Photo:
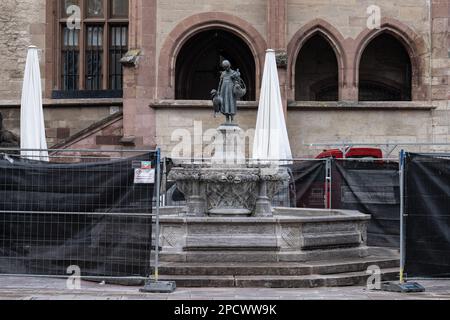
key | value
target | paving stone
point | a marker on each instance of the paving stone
(13, 288)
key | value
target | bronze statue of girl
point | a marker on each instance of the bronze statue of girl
(231, 89)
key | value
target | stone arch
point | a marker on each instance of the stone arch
(198, 64)
(329, 33)
(414, 45)
(198, 23)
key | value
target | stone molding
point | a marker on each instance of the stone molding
(197, 23)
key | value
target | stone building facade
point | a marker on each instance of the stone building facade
(344, 76)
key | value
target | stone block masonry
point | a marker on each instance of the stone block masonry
(22, 23)
(281, 24)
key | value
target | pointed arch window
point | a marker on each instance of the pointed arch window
(317, 71)
(385, 71)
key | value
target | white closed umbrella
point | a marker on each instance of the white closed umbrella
(271, 137)
(32, 127)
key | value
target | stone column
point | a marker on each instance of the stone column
(263, 205)
(276, 39)
(439, 90)
(348, 84)
(196, 202)
(140, 78)
(276, 24)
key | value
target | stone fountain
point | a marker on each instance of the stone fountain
(228, 218)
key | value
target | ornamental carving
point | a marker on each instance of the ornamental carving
(207, 188)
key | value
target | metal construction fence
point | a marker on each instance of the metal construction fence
(85, 210)
(94, 210)
(425, 212)
(408, 200)
(372, 187)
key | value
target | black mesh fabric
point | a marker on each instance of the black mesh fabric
(371, 187)
(308, 187)
(90, 215)
(427, 205)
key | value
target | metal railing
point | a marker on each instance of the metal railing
(387, 147)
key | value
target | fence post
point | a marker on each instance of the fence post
(157, 286)
(402, 216)
(158, 201)
(328, 183)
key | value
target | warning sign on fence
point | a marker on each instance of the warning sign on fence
(144, 176)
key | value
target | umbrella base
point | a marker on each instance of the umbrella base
(159, 287)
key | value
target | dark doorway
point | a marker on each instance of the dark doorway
(198, 64)
(385, 71)
(316, 71)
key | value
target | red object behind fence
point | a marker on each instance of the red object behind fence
(352, 153)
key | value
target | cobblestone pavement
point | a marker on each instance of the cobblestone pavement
(24, 288)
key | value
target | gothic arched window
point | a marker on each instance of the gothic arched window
(316, 71)
(385, 72)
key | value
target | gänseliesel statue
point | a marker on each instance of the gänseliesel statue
(231, 89)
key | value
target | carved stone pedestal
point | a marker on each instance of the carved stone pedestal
(229, 146)
(229, 191)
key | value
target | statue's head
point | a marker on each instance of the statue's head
(226, 65)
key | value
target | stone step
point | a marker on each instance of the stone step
(235, 269)
(314, 281)
(219, 257)
(305, 281)
(354, 266)
(275, 269)
(262, 256)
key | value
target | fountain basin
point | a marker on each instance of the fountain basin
(290, 235)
